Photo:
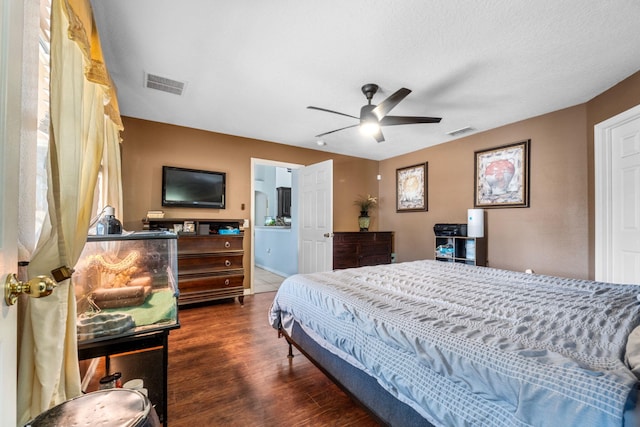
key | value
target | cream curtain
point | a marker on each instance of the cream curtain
(84, 133)
(111, 168)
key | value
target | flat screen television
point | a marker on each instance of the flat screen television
(194, 188)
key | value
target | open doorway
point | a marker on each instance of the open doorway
(274, 230)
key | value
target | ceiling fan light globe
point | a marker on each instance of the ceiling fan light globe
(369, 128)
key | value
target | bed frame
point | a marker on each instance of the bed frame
(357, 384)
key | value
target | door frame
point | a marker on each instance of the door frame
(604, 192)
(19, 29)
(264, 162)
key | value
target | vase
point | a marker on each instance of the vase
(498, 175)
(364, 220)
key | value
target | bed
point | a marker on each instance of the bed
(449, 344)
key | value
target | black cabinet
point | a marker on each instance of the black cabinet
(360, 248)
(284, 201)
(142, 355)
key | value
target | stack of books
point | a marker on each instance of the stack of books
(155, 214)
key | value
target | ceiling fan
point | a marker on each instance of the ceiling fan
(373, 117)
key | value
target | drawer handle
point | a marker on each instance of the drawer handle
(227, 244)
(226, 282)
(227, 263)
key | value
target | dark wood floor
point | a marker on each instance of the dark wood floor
(228, 368)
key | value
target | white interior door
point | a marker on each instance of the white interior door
(618, 198)
(625, 182)
(11, 19)
(316, 222)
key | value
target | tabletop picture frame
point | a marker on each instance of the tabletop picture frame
(188, 227)
(411, 188)
(502, 176)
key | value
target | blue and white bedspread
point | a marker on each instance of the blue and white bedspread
(476, 346)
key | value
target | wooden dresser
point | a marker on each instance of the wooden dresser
(210, 265)
(360, 248)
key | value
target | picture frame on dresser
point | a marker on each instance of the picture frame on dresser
(411, 188)
(188, 227)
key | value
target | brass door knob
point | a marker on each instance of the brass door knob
(37, 287)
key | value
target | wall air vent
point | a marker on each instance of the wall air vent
(460, 131)
(164, 84)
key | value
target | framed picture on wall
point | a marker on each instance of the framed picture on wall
(411, 188)
(502, 176)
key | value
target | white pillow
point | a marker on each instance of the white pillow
(632, 355)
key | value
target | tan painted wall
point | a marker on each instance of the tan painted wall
(149, 145)
(548, 237)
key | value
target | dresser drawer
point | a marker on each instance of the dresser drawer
(195, 282)
(375, 248)
(345, 262)
(207, 244)
(345, 249)
(374, 260)
(194, 264)
(198, 289)
(352, 238)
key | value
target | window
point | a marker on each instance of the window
(44, 73)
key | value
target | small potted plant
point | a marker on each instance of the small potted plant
(365, 204)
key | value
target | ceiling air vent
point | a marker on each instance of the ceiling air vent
(460, 131)
(164, 84)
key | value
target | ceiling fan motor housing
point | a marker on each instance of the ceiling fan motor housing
(366, 114)
(369, 90)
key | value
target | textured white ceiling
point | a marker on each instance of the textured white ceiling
(252, 67)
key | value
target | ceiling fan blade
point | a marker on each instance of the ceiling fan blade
(387, 105)
(331, 111)
(379, 136)
(407, 120)
(336, 130)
